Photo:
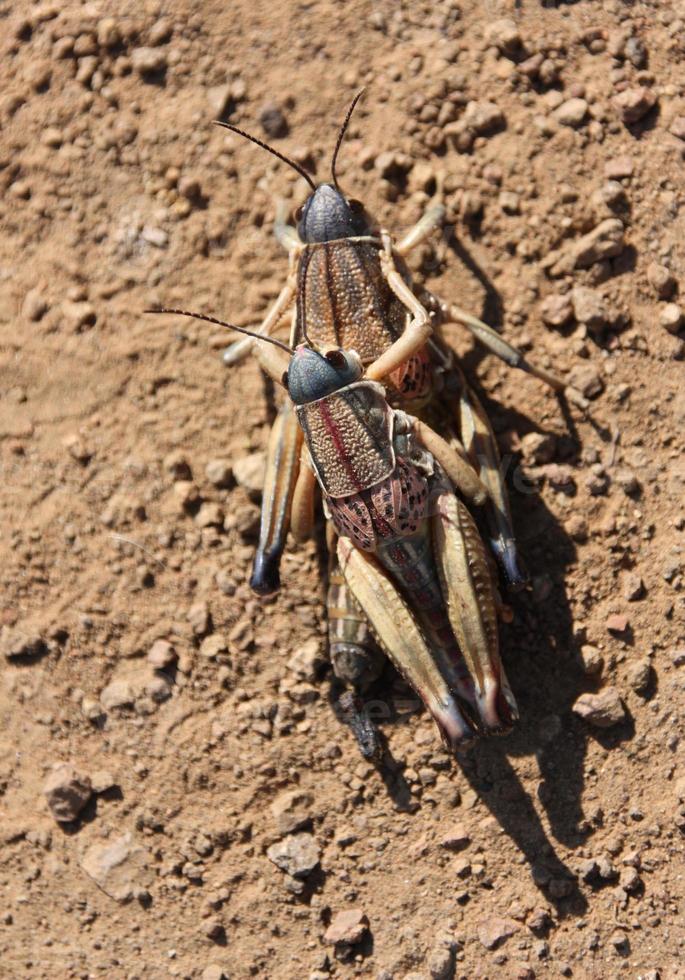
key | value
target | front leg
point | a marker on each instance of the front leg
(417, 331)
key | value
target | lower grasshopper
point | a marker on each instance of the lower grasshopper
(408, 548)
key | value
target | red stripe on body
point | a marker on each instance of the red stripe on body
(333, 431)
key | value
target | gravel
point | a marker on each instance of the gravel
(67, 792)
(349, 926)
(634, 103)
(602, 710)
(297, 855)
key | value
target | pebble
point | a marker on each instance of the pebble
(617, 623)
(120, 867)
(117, 694)
(493, 932)
(249, 472)
(349, 926)
(586, 379)
(108, 34)
(671, 317)
(273, 121)
(572, 113)
(634, 103)
(212, 646)
(78, 314)
(308, 662)
(219, 472)
(292, 811)
(661, 280)
(210, 514)
(577, 528)
(213, 928)
(603, 242)
(539, 446)
(556, 309)
(18, 644)
(161, 655)
(589, 308)
(177, 465)
(213, 972)
(483, 117)
(456, 838)
(602, 710)
(148, 61)
(35, 306)
(633, 587)
(510, 202)
(504, 35)
(200, 618)
(67, 792)
(297, 855)
(619, 167)
(640, 675)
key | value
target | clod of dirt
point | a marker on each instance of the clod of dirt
(556, 309)
(483, 117)
(67, 792)
(617, 623)
(17, 644)
(586, 379)
(456, 838)
(120, 867)
(35, 305)
(589, 308)
(297, 855)
(219, 472)
(249, 472)
(572, 113)
(161, 655)
(603, 242)
(640, 675)
(602, 710)
(493, 932)
(148, 61)
(671, 317)
(349, 927)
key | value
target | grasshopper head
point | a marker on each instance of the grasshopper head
(328, 215)
(312, 375)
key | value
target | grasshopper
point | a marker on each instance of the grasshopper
(349, 288)
(407, 546)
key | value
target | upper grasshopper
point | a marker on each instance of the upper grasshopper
(348, 287)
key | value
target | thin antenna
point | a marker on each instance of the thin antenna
(229, 326)
(265, 146)
(341, 134)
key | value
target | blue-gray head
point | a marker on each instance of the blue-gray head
(327, 214)
(312, 375)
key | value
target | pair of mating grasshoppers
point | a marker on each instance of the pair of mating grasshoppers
(400, 465)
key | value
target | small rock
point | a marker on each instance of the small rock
(35, 305)
(155, 236)
(67, 792)
(589, 308)
(627, 481)
(677, 127)
(504, 35)
(577, 528)
(539, 920)
(493, 932)
(539, 446)
(456, 838)
(161, 31)
(273, 121)
(292, 811)
(103, 780)
(586, 379)
(213, 972)
(572, 113)
(120, 867)
(212, 646)
(630, 880)
(617, 623)
(588, 870)
(210, 514)
(17, 644)
(177, 465)
(619, 167)
(78, 314)
(148, 61)
(602, 710)
(556, 309)
(510, 202)
(633, 587)
(636, 52)
(483, 117)
(297, 855)
(213, 928)
(249, 472)
(161, 655)
(634, 103)
(108, 33)
(219, 99)
(640, 675)
(603, 242)
(117, 694)
(349, 927)
(200, 618)
(441, 962)
(671, 317)
(219, 472)
(661, 280)
(308, 662)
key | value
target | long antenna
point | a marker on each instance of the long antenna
(265, 146)
(341, 134)
(229, 326)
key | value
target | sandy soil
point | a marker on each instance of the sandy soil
(130, 493)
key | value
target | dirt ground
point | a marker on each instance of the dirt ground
(199, 719)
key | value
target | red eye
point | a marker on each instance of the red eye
(299, 212)
(284, 379)
(355, 205)
(336, 359)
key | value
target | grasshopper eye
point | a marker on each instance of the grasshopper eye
(336, 359)
(355, 205)
(299, 212)
(284, 379)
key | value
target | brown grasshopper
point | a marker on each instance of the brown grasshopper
(408, 548)
(350, 288)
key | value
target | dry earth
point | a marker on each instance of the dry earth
(132, 648)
